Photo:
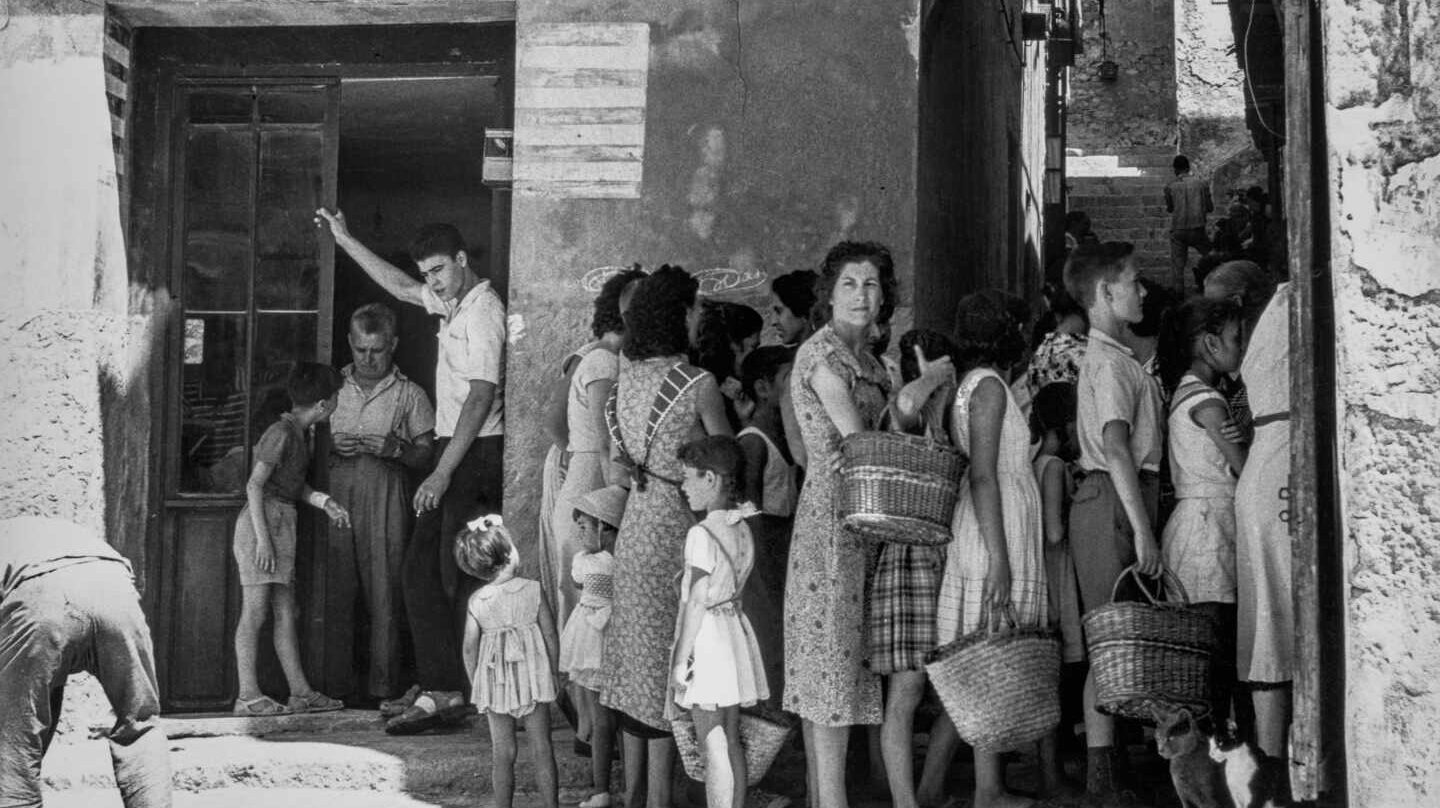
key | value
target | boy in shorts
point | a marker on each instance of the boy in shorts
(264, 543)
(1112, 517)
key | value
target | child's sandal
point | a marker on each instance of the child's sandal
(259, 706)
(315, 702)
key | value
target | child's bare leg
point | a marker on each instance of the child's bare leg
(659, 772)
(990, 784)
(1100, 744)
(712, 736)
(537, 734)
(830, 744)
(287, 644)
(602, 746)
(1052, 774)
(635, 753)
(502, 758)
(897, 741)
(254, 607)
(584, 701)
(738, 769)
(812, 788)
(939, 753)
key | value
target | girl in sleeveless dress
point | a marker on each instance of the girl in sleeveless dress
(716, 662)
(509, 648)
(996, 559)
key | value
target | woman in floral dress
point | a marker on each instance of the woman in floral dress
(649, 551)
(838, 387)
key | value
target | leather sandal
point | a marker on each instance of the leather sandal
(314, 702)
(390, 708)
(259, 706)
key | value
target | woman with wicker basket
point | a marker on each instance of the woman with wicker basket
(838, 388)
(996, 560)
(660, 401)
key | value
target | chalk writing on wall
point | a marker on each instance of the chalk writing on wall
(594, 279)
(725, 280)
(580, 109)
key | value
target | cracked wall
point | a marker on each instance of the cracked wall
(1383, 121)
(1210, 97)
(1137, 110)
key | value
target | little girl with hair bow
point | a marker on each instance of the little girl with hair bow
(510, 650)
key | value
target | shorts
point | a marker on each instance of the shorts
(280, 519)
(1102, 541)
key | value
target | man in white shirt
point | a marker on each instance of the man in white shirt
(469, 427)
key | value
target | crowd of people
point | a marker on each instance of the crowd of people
(691, 557)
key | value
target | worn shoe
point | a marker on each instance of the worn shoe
(259, 706)
(430, 711)
(390, 708)
(314, 702)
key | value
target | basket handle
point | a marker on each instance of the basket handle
(1167, 579)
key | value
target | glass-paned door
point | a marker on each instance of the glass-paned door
(253, 282)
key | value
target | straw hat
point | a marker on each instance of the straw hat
(606, 504)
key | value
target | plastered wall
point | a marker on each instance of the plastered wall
(1137, 110)
(1210, 96)
(1383, 119)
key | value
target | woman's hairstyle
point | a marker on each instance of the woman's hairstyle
(933, 343)
(311, 382)
(1053, 409)
(1246, 282)
(796, 291)
(854, 252)
(655, 322)
(1192, 319)
(763, 363)
(607, 304)
(482, 550)
(722, 324)
(720, 454)
(987, 331)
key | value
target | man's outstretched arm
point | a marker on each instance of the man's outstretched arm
(391, 278)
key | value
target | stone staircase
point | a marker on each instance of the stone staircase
(1124, 193)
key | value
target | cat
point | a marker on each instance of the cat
(1242, 768)
(1199, 778)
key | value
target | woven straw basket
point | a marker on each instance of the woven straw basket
(760, 736)
(899, 488)
(1150, 654)
(1000, 686)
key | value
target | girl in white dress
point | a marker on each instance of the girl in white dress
(1202, 343)
(716, 663)
(510, 644)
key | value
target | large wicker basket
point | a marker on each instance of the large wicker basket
(1152, 654)
(899, 488)
(1000, 686)
(761, 736)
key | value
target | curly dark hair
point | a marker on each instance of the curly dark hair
(483, 552)
(1053, 409)
(987, 331)
(436, 238)
(312, 382)
(722, 324)
(854, 252)
(720, 454)
(1193, 318)
(655, 321)
(607, 304)
(796, 291)
(933, 343)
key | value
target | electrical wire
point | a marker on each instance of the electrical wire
(1249, 82)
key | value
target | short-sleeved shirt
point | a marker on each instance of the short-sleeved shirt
(1189, 201)
(31, 546)
(472, 348)
(1113, 386)
(283, 446)
(599, 364)
(394, 405)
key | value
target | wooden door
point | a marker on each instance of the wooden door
(252, 288)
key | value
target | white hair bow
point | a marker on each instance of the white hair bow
(487, 522)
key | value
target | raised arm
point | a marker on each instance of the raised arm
(391, 278)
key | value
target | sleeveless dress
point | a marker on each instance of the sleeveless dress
(1264, 610)
(960, 595)
(582, 643)
(512, 671)
(649, 550)
(727, 668)
(1199, 539)
(826, 680)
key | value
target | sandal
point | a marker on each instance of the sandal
(390, 708)
(426, 714)
(259, 706)
(315, 702)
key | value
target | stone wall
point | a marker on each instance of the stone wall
(1210, 98)
(1137, 110)
(768, 135)
(1383, 119)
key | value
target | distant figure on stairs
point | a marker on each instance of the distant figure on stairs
(1188, 200)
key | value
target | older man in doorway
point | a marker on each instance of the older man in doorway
(383, 427)
(469, 425)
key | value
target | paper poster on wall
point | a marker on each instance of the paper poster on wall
(580, 109)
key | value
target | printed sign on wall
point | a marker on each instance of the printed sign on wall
(580, 109)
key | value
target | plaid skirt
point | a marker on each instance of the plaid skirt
(901, 606)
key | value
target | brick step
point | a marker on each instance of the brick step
(1148, 159)
(1101, 186)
